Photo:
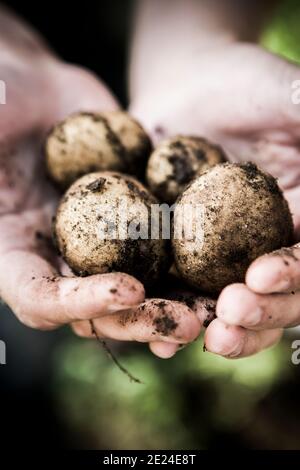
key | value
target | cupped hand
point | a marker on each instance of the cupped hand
(241, 96)
(33, 280)
(252, 316)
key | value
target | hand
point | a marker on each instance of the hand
(40, 91)
(255, 312)
(241, 97)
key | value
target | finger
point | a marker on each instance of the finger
(204, 307)
(152, 321)
(238, 305)
(276, 272)
(235, 342)
(64, 268)
(163, 350)
(80, 90)
(41, 299)
(292, 196)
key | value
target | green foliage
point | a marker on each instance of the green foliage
(121, 413)
(282, 35)
(181, 403)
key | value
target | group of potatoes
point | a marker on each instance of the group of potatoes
(102, 158)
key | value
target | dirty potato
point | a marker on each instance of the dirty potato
(86, 142)
(175, 162)
(244, 216)
(103, 225)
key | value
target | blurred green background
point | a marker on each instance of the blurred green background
(195, 400)
(282, 33)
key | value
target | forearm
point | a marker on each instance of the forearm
(25, 67)
(169, 33)
(19, 38)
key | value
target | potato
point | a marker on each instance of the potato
(90, 223)
(245, 216)
(175, 162)
(86, 142)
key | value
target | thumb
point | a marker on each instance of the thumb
(271, 90)
(77, 89)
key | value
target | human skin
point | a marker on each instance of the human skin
(196, 69)
(34, 282)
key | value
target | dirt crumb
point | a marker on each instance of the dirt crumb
(164, 324)
(183, 173)
(96, 185)
(188, 299)
(39, 235)
(129, 316)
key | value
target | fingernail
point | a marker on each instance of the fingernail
(236, 351)
(254, 317)
(282, 285)
(232, 351)
(118, 308)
